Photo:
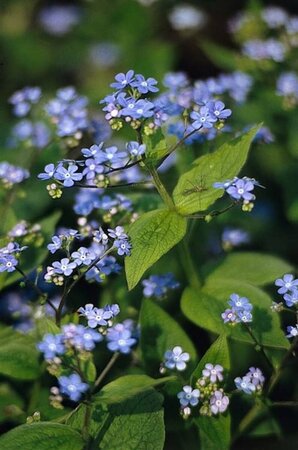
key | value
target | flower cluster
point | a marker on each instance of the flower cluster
(23, 100)
(10, 175)
(175, 359)
(239, 311)
(68, 112)
(9, 255)
(288, 288)
(212, 398)
(252, 382)
(78, 341)
(240, 189)
(268, 49)
(159, 285)
(287, 87)
(94, 259)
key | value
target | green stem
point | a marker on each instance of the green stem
(67, 291)
(161, 188)
(188, 265)
(106, 369)
(260, 346)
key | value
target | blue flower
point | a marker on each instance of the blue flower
(110, 155)
(135, 149)
(257, 377)
(64, 267)
(83, 256)
(238, 303)
(72, 386)
(234, 237)
(120, 339)
(218, 111)
(98, 317)
(176, 359)
(189, 396)
(286, 284)
(56, 245)
(292, 331)
(92, 151)
(8, 263)
(92, 168)
(123, 80)
(49, 172)
(202, 119)
(214, 373)
(85, 338)
(51, 345)
(219, 402)
(241, 189)
(158, 285)
(117, 233)
(137, 109)
(123, 247)
(245, 384)
(292, 298)
(143, 85)
(69, 175)
(113, 309)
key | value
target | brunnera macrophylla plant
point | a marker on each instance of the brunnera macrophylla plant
(69, 349)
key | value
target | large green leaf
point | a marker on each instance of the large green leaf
(136, 423)
(218, 353)
(127, 386)
(152, 235)
(18, 355)
(42, 436)
(204, 308)
(215, 432)
(159, 333)
(194, 190)
(255, 268)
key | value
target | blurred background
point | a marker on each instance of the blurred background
(53, 44)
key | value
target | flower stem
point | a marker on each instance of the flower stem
(106, 369)
(260, 346)
(161, 188)
(188, 265)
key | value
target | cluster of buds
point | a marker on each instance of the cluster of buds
(56, 398)
(54, 190)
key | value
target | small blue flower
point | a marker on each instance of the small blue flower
(245, 384)
(123, 80)
(214, 373)
(117, 233)
(49, 172)
(135, 149)
(51, 345)
(176, 359)
(8, 263)
(83, 256)
(92, 151)
(120, 339)
(56, 245)
(159, 285)
(219, 402)
(113, 309)
(143, 85)
(292, 298)
(98, 317)
(189, 396)
(241, 189)
(87, 310)
(69, 175)
(292, 331)
(286, 284)
(238, 303)
(100, 237)
(123, 247)
(202, 119)
(218, 111)
(64, 266)
(92, 168)
(257, 377)
(72, 386)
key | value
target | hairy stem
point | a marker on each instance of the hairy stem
(106, 369)
(161, 188)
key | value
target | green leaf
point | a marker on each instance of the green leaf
(158, 146)
(204, 308)
(152, 235)
(128, 386)
(136, 423)
(45, 325)
(256, 268)
(194, 190)
(11, 403)
(42, 436)
(218, 353)
(215, 432)
(159, 333)
(18, 355)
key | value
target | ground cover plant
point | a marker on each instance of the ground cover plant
(136, 311)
